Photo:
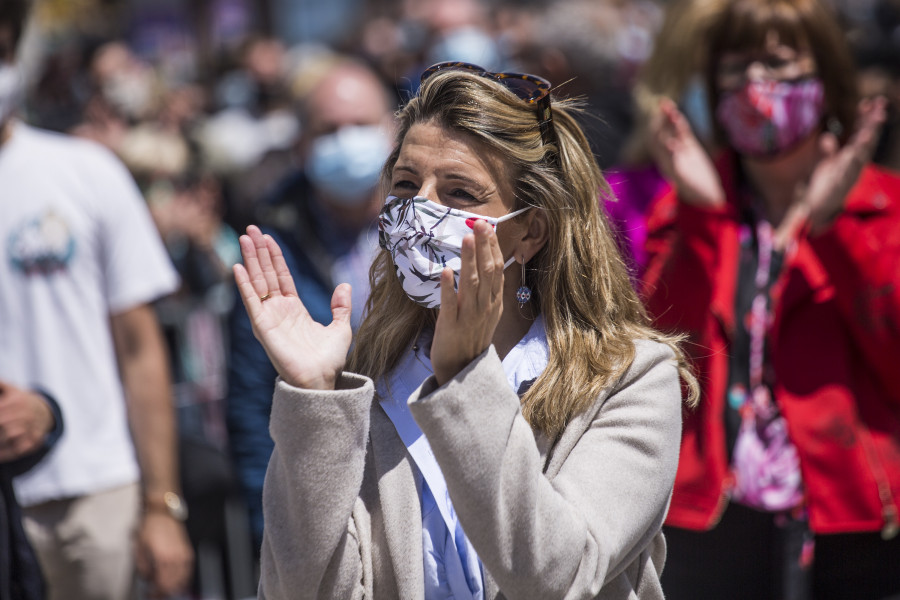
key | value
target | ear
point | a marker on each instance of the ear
(535, 236)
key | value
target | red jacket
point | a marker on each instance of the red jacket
(835, 351)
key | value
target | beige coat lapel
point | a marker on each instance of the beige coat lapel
(570, 436)
(399, 490)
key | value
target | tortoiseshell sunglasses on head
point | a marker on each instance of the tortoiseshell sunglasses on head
(530, 88)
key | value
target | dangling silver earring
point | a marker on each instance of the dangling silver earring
(523, 294)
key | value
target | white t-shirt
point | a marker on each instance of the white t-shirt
(76, 245)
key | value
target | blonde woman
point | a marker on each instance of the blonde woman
(507, 423)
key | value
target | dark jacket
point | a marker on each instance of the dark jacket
(20, 573)
(309, 243)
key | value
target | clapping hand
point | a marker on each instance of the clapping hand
(305, 353)
(25, 419)
(469, 317)
(682, 159)
(838, 168)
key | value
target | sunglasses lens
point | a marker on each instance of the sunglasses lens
(525, 89)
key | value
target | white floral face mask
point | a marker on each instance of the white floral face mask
(423, 237)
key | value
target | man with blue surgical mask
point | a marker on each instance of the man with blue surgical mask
(324, 217)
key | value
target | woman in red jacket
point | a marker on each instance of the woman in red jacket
(781, 261)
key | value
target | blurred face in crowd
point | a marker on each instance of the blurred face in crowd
(125, 81)
(775, 61)
(771, 99)
(348, 96)
(346, 139)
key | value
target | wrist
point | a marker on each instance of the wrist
(819, 223)
(167, 503)
(323, 382)
(702, 199)
(443, 374)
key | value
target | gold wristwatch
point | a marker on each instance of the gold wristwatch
(171, 503)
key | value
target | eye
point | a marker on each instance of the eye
(403, 187)
(462, 195)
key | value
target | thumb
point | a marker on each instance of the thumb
(679, 122)
(143, 561)
(341, 303)
(828, 144)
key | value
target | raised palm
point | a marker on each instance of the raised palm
(305, 353)
(839, 167)
(682, 159)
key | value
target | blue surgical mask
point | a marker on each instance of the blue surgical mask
(346, 164)
(467, 44)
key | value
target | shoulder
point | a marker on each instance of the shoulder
(644, 405)
(76, 162)
(649, 355)
(52, 144)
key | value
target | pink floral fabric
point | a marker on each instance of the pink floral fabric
(764, 118)
(765, 463)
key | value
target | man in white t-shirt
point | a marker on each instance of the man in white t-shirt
(79, 262)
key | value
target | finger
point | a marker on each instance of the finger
(497, 284)
(872, 115)
(285, 280)
(666, 106)
(449, 298)
(143, 563)
(828, 145)
(484, 262)
(468, 273)
(249, 293)
(670, 113)
(251, 264)
(668, 139)
(341, 303)
(662, 130)
(265, 263)
(658, 118)
(680, 123)
(171, 577)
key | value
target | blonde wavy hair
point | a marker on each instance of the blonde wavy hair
(578, 279)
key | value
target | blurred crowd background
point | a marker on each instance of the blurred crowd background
(200, 98)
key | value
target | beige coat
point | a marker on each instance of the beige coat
(580, 518)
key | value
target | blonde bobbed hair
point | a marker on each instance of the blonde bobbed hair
(579, 281)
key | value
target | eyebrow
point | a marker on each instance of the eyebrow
(464, 179)
(454, 176)
(404, 168)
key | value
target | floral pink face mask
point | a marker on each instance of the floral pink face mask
(765, 118)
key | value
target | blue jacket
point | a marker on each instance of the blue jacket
(309, 243)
